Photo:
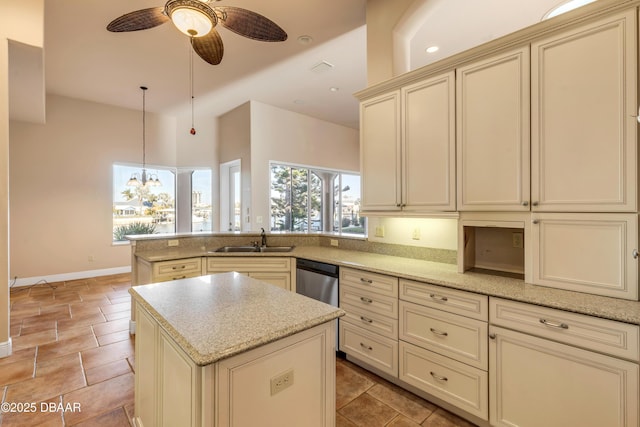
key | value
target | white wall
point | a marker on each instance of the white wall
(61, 183)
(284, 136)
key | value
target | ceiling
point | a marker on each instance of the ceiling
(83, 60)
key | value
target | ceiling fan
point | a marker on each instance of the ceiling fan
(197, 19)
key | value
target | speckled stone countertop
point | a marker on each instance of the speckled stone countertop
(218, 316)
(447, 275)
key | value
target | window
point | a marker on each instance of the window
(142, 209)
(307, 199)
(201, 207)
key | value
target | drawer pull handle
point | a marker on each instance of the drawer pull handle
(182, 267)
(438, 297)
(366, 300)
(178, 278)
(367, 281)
(364, 319)
(366, 347)
(437, 332)
(438, 377)
(554, 325)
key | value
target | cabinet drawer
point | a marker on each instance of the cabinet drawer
(456, 383)
(379, 283)
(373, 349)
(451, 300)
(382, 325)
(369, 301)
(247, 264)
(177, 269)
(448, 334)
(601, 335)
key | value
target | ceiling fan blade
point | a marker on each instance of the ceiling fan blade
(138, 20)
(250, 24)
(209, 47)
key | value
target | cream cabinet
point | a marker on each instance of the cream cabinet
(442, 351)
(163, 271)
(593, 253)
(273, 270)
(493, 133)
(584, 129)
(408, 148)
(172, 390)
(537, 381)
(369, 330)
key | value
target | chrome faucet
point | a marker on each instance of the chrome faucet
(264, 237)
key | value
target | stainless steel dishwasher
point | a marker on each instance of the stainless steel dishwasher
(319, 281)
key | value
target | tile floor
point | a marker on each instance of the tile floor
(73, 365)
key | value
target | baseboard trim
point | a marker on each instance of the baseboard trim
(5, 349)
(27, 281)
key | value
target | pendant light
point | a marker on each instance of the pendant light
(144, 180)
(193, 129)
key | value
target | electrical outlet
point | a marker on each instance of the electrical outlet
(380, 231)
(281, 382)
(334, 242)
(517, 239)
(416, 234)
(173, 242)
(91, 258)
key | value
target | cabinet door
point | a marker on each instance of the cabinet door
(282, 280)
(428, 145)
(492, 115)
(592, 253)
(583, 148)
(380, 152)
(539, 383)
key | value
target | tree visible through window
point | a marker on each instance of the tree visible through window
(308, 199)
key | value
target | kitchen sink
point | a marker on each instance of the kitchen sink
(276, 248)
(238, 249)
(249, 248)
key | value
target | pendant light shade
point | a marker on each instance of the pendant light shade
(192, 17)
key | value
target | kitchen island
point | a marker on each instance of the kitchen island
(225, 349)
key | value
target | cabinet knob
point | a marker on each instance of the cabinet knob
(535, 221)
(525, 203)
(535, 204)
(492, 336)
(635, 254)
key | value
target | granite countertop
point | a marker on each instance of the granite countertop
(218, 316)
(445, 275)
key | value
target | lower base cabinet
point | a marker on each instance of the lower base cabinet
(536, 382)
(454, 382)
(172, 391)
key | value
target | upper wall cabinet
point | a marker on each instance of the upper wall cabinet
(492, 114)
(380, 156)
(408, 148)
(584, 103)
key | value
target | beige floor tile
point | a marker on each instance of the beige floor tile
(67, 346)
(74, 332)
(114, 337)
(85, 320)
(32, 340)
(53, 377)
(15, 372)
(107, 354)
(108, 371)
(115, 418)
(101, 398)
(28, 354)
(402, 401)
(116, 308)
(442, 418)
(349, 383)
(111, 327)
(366, 411)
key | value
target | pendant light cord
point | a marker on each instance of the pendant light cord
(144, 126)
(193, 129)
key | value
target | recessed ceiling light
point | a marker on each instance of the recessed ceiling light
(432, 49)
(298, 101)
(564, 7)
(304, 39)
(334, 89)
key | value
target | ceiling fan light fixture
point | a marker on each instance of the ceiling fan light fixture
(192, 17)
